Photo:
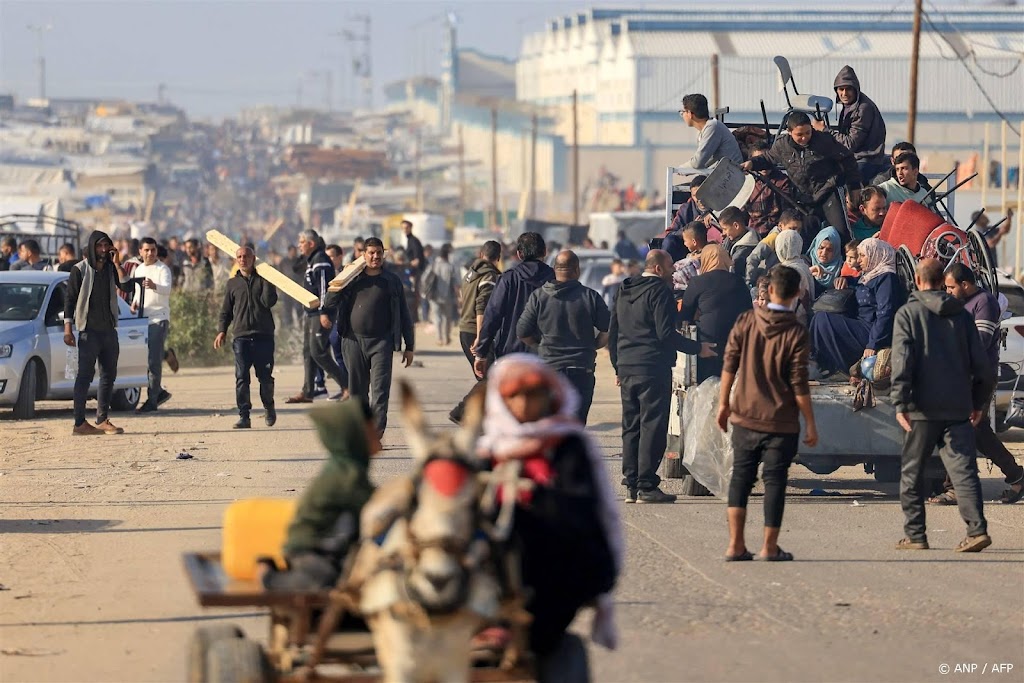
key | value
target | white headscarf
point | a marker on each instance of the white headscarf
(506, 437)
(789, 246)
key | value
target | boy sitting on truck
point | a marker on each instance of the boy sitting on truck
(326, 523)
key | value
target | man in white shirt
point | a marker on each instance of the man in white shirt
(153, 294)
(906, 185)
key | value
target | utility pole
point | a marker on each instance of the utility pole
(715, 95)
(915, 55)
(362, 62)
(462, 176)
(575, 159)
(161, 93)
(419, 185)
(533, 167)
(494, 166)
(41, 61)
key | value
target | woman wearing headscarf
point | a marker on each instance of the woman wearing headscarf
(789, 246)
(826, 257)
(714, 300)
(567, 525)
(837, 341)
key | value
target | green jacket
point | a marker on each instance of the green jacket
(327, 518)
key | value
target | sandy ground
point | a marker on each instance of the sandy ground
(92, 531)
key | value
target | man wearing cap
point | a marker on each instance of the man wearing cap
(568, 323)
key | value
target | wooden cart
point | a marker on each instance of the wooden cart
(312, 636)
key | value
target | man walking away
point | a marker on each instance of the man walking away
(477, 288)
(765, 409)
(568, 323)
(940, 383)
(317, 325)
(91, 305)
(960, 282)
(248, 299)
(413, 250)
(153, 297)
(714, 139)
(441, 289)
(374, 320)
(643, 342)
(498, 331)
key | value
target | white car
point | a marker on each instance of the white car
(1011, 351)
(33, 356)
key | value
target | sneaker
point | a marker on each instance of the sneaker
(86, 429)
(319, 391)
(147, 407)
(655, 495)
(974, 544)
(108, 428)
(270, 416)
(630, 495)
(908, 544)
(163, 397)
(243, 423)
(172, 360)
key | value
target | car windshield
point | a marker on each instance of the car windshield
(1015, 299)
(20, 302)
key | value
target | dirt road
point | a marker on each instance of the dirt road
(92, 531)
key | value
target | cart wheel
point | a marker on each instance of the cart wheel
(905, 266)
(236, 660)
(674, 468)
(983, 264)
(200, 644)
(567, 664)
(888, 471)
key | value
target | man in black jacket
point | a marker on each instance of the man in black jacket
(248, 299)
(317, 325)
(91, 305)
(860, 127)
(568, 323)
(373, 321)
(643, 342)
(940, 383)
(817, 166)
(498, 331)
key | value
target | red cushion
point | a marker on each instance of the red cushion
(910, 225)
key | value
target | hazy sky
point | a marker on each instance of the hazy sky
(216, 57)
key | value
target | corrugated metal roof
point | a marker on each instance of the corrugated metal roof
(671, 43)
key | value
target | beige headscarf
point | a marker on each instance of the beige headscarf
(879, 258)
(714, 257)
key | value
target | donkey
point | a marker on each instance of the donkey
(425, 577)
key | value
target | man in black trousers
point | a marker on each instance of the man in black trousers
(940, 383)
(567, 323)
(643, 342)
(248, 299)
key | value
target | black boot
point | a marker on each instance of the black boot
(270, 415)
(243, 423)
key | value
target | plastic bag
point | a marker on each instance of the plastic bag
(71, 365)
(707, 451)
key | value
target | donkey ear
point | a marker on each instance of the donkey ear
(415, 421)
(472, 418)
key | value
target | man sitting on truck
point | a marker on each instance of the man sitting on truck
(714, 140)
(906, 185)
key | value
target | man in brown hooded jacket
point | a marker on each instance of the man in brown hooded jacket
(766, 356)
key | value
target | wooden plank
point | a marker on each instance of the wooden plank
(275, 277)
(347, 275)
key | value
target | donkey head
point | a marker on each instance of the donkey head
(443, 521)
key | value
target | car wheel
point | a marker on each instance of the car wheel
(126, 400)
(25, 406)
(1001, 425)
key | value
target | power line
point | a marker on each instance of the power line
(971, 73)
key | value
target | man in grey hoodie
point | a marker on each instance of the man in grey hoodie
(940, 383)
(91, 305)
(568, 323)
(860, 127)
